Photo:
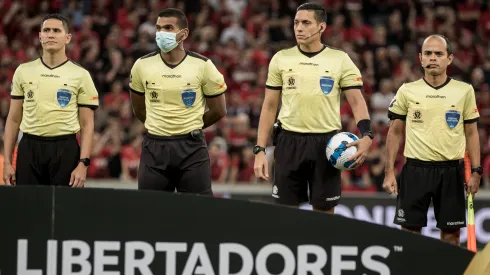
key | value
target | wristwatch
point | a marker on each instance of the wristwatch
(257, 149)
(478, 170)
(85, 161)
(369, 134)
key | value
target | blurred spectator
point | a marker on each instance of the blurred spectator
(220, 161)
(380, 101)
(130, 157)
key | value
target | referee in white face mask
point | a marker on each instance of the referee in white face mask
(170, 89)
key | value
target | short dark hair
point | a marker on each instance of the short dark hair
(319, 11)
(449, 46)
(60, 17)
(181, 18)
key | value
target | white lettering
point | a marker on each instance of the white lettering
(171, 250)
(343, 211)
(69, 259)
(52, 257)
(369, 263)
(198, 253)
(337, 264)
(362, 213)
(22, 252)
(333, 198)
(142, 264)
(101, 259)
(315, 268)
(226, 249)
(266, 251)
(311, 259)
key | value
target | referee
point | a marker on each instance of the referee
(52, 99)
(170, 89)
(309, 80)
(440, 114)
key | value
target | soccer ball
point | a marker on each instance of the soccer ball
(337, 151)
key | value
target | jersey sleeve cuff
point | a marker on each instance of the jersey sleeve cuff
(93, 107)
(473, 120)
(350, 88)
(136, 92)
(17, 97)
(393, 116)
(215, 95)
(277, 88)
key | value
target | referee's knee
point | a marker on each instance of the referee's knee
(327, 209)
(414, 229)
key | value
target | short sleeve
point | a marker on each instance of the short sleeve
(351, 77)
(398, 107)
(135, 82)
(274, 78)
(87, 94)
(16, 91)
(214, 82)
(470, 113)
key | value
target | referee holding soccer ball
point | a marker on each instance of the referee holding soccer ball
(309, 79)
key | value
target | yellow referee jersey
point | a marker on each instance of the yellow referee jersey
(52, 97)
(435, 118)
(175, 94)
(311, 85)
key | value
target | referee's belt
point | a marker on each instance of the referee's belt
(194, 134)
(310, 134)
(49, 138)
(425, 163)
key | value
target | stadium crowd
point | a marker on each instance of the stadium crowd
(382, 37)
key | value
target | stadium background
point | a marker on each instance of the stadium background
(382, 37)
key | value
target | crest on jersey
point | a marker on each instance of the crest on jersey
(326, 84)
(63, 97)
(188, 97)
(452, 118)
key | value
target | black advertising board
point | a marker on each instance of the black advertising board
(96, 231)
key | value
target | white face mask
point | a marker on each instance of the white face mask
(167, 41)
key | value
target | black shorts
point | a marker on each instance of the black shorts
(175, 163)
(46, 160)
(301, 167)
(422, 181)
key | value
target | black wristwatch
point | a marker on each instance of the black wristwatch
(85, 161)
(478, 170)
(257, 149)
(369, 134)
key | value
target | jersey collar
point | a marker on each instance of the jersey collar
(310, 55)
(440, 86)
(173, 66)
(45, 65)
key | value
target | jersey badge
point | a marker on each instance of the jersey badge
(452, 118)
(326, 84)
(63, 97)
(188, 97)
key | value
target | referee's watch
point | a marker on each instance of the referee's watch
(257, 149)
(85, 161)
(478, 170)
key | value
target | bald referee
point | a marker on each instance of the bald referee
(309, 79)
(53, 98)
(441, 116)
(170, 90)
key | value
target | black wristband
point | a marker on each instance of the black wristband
(364, 127)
